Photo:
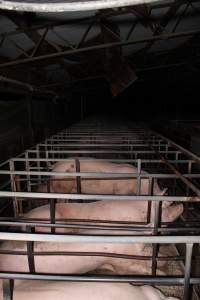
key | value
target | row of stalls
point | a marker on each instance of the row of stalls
(25, 184)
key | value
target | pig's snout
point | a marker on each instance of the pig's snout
(171, 213)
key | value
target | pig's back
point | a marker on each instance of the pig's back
(34, 290)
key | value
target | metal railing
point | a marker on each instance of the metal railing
(165, 161)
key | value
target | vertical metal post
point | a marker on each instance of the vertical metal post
(187, 187)
(13, 188)
(38, 162)
(8, 285)
(29, 109)
(159, 146)
(138, 177)
(167, 147)
(28, 177)
(18, 189)
(188, 262)
(30, 252)
(189, 172)
(131, 149)
(78, 178)
(176, 158)
(52, 207)
(53, 213)
(150, 192)
(27, 164)
(157, 216)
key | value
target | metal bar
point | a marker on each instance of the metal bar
(98, 145)
(50, 25)
(101, 278)
(181, 161)
(139, 176)
(21, 49)
(37, 47)
(183, 178)
(105, 151)
(131, 29)
(53, 213)
(94, 175)
(38, 162)
(13, 188)
(180, 17)
(27, 86)
(94, 254)
(68, 44)
(174, 170)
(98, 47)
(6, 236)
(19, 223)
(8, 285)
(85, 34)
(78, 178)
(188, 266)
(180, 148)
(17, 82)
(30, 253)
(157, 217)
(92, 197)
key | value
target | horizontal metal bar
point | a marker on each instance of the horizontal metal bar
(99, 145)
(101, 278)
(182, 149)
(112, 239)
(98, 139)
(103, 160)
(105, 151)
(96, 47)
(83, 197)
(79, 226)
(20, 223)
(96, 176)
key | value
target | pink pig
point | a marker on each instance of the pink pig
(131, 211)
(92, 186)
(81, 263)
(35, 290)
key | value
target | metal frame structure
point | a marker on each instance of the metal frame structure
(172, 165)
(46, 52)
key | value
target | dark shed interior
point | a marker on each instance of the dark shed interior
(140, 61)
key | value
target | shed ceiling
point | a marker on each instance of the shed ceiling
(72, 46)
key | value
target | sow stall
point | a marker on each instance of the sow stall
(166, 162)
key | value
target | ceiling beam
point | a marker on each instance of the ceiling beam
(162, 25)
(33, 35)
(24, 28)
(98, 47)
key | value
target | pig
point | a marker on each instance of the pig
(103, 259)
(131, 211)
(117, 187)
(34, 290)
